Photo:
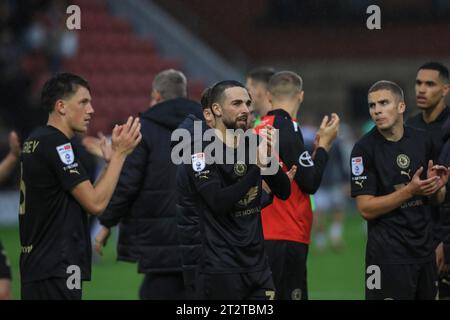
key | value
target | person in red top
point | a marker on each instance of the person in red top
(287, 224)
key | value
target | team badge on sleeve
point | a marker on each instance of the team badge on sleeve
(65, 153)
(357, 166)
(198, 162)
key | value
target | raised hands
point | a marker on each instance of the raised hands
(426, 187)
(327, 132)
(99, 147)
(438, 171)
(126, 137)
(266, 147)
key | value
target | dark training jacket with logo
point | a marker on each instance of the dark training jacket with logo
(444, 159)
(188, 219)
(145, 197)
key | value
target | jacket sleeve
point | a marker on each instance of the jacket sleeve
(444, 159)
(293, 152)
(279, 184)
(128, 186)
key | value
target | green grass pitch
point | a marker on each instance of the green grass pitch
(331, 275)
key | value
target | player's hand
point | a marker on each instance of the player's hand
(266, 187)
(427, 187)
(291, 173)
(100, 239)
(105, 147)
(14, 144)
(92, 145)
(438, 171)
(126, 137)
(266, 146)
(440, 257)
(5, 289)
(99, 147)
(328, 131)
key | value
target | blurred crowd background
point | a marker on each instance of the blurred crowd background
(122, 44)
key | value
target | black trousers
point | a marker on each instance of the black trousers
(163, 286)
(403, 282)
(287, 261)
(49, 289)
(236, 286)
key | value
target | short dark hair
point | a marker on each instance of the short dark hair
(61, 86)
(390, 86)
(262, 74)
(170, 84)
(285, 83)
(214, 94)
(437, 66)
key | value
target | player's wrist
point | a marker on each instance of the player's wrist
(409, 189)
(324, 145)
(117, 156)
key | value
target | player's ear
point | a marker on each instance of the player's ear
(269, 97)
(401, 107)
(301, 96)
(156, 97)
(216, 110)
(207, 114)
(60, 107)
(446, 90)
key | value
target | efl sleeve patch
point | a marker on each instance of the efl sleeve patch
(65, 153)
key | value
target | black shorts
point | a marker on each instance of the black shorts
(287, 261)
(49, 289)
(236, 286)
(401, 281)
(163, 286)
(5, 270)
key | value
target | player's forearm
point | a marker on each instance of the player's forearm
(222, 200)
(107, 182)
(7, 166)
(372, 207)
(279, 184)
(309, 178)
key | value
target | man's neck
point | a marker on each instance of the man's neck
(431, 114)
(395, 133)
(60, 125)
(291, 108)
(265, 108)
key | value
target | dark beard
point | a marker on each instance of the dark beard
(233, 125)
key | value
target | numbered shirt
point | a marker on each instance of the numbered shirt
(380, 167)
(53, 226)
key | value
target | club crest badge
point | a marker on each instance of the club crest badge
(65, 153)
(240, 169)
(403, 161)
